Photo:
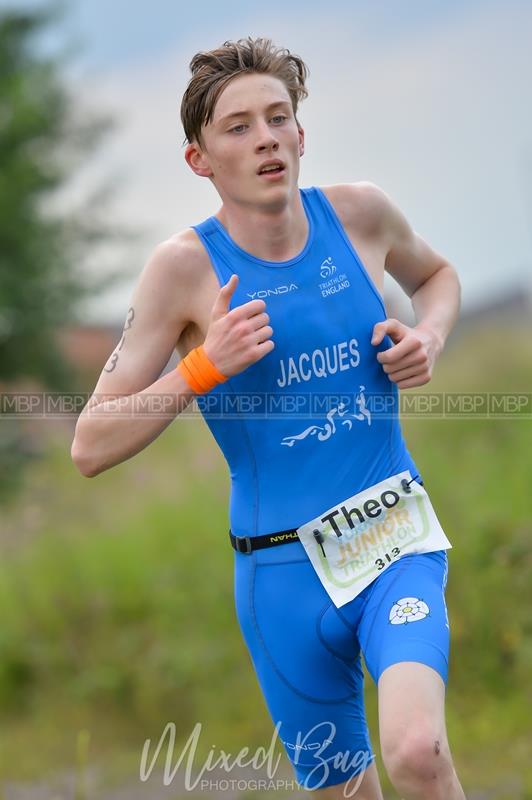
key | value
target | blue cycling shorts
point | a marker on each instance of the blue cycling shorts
(307, 653)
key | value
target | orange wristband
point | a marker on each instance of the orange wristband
(199, 371)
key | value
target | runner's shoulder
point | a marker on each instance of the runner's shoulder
(362, 204)
(181, 255)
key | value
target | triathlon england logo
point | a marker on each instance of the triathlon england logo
(331, 282)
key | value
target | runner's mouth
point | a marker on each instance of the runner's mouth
(277, 172)
(272, 165)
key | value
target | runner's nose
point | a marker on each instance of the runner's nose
(266, 140)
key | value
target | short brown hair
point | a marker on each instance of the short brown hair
(212, 71)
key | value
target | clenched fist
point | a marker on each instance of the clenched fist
(411, 359)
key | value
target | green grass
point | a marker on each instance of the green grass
(116, 594)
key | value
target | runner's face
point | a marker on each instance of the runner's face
(236, 144)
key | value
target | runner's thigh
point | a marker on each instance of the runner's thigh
(307, 662)
(405, 616)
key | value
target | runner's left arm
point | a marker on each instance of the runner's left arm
(433, 286)
(427, 277)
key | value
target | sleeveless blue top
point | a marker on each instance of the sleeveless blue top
(315, 421)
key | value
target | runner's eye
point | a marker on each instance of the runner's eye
(280, 117)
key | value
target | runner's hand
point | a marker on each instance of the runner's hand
(411, 359)
(238, 337)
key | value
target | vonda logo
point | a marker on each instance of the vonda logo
(327, 267)
(261, 293)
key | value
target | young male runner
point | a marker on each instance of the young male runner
(279, 295)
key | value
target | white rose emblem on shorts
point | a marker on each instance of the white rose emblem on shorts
(409, 609)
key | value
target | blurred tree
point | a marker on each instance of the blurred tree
(44, 139)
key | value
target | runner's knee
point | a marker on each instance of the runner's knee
(420, 756)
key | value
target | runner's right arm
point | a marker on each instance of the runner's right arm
(154, 323)
(156, 318)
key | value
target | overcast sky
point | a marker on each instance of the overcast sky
(429, 99)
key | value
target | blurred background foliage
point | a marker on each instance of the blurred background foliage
(44, 140)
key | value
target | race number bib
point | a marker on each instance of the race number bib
(353, 542)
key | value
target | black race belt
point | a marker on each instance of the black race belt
(246, 544)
